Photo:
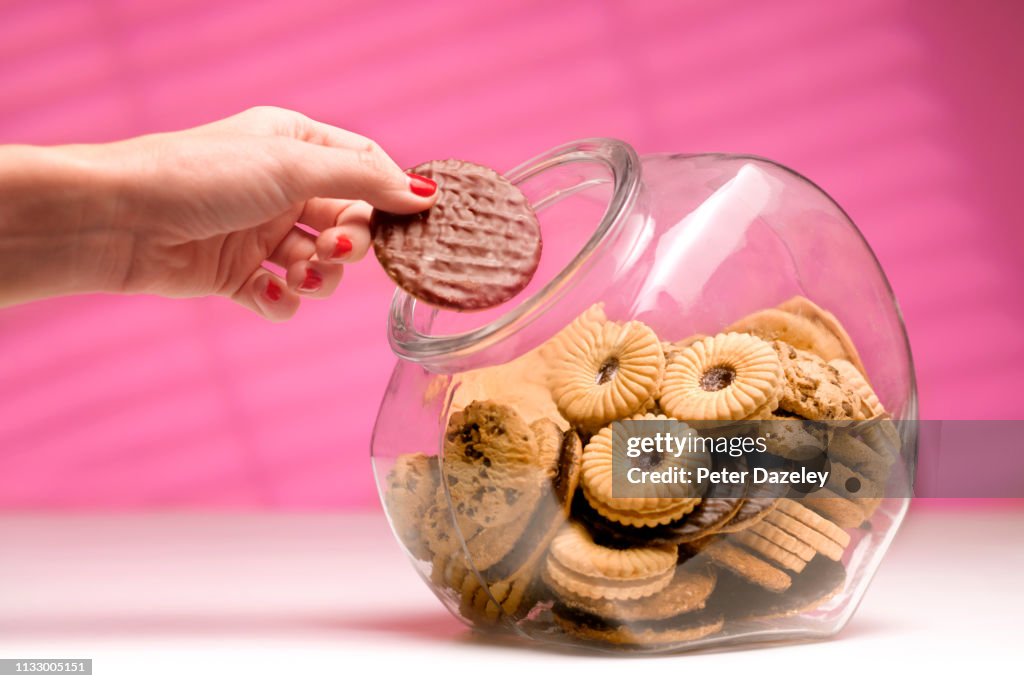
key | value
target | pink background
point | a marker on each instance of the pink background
(908, 112)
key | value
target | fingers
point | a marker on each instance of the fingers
(366, 173)
(323, 213)
(349, 239)
(344, 228)
(268, 120)
(305, 275)
(310, 130)
(265, 294)
(313, 278)
(276, 121)
(318, 159)
(297, 244)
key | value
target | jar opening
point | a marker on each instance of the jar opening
(595, 179)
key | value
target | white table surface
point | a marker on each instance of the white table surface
(318, 600)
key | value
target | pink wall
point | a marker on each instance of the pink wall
(907, 112)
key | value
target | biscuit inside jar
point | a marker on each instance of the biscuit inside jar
(602, 371)
(648, 460)
(726, 377)
(607, 371)
(717, 378)
(648, 504)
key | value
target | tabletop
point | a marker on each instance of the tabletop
(317, 599)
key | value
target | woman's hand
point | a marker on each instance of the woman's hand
(199, 212)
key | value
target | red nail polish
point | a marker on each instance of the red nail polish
(341, 248)
(312, 282)
(273, 291)
(421, 186)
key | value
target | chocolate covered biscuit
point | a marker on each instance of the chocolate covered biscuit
(476, 248)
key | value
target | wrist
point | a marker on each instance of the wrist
(58, 216)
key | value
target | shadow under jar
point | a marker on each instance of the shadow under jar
(493, 444)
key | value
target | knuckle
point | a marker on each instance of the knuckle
(275, 119)
(375, 165)
(371, 157)
(266, 111)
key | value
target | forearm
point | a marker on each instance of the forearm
(58, 210)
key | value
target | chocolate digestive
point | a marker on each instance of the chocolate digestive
(476, 248)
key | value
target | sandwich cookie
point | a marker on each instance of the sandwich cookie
(726, 377)
(602, 370)
(742, 602)
(576, 565)
(649, 504)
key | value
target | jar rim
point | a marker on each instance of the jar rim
(623, 164)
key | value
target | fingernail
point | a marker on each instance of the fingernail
(312, 282)
(421, 186)
(342, 248)
(273, 291)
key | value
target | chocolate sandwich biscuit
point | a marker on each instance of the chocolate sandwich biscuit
(740, 600)
(476, 248)
(639, 635)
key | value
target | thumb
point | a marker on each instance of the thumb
(365, 173)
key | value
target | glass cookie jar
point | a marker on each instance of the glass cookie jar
(702, 296)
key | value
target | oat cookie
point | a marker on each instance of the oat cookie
(847, 482)
(746, 565)
(812, 388)
(843, 512)
(411, 486)
(769, 551)
(773, 324)
(492, 465)
(807, 535)
(492, 591)
(846, 449)
(854, 486)
(804, 307)
(786, 541)
(440, 533)
(483, 605)
(790, 439)
(855, 380)
(491, 545)
(819, 523)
